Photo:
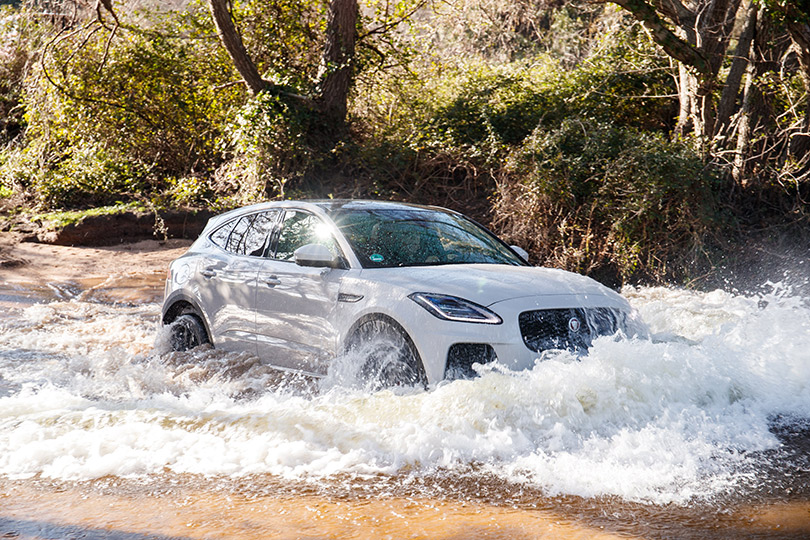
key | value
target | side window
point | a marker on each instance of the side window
(258, 234)
(248, 235)
(237, 238)
(300, 229)
(220, 236)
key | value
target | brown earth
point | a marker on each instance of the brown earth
(111, 229)
(131, 272)
(28, 261)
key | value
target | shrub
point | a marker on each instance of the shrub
(14, 60)
(482, 108)
(606, 199)
(110, 115)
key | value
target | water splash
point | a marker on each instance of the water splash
(686, 414)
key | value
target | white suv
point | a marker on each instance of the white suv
(299, 282)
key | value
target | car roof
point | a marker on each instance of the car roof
(329, 206)
(336, 205)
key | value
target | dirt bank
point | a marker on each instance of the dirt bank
(124, 272)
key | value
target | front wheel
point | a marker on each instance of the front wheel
(187, 332)
(389, 356)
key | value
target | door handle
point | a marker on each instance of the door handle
(272, 281)
(208, 272)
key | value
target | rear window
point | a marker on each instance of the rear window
(247, 235)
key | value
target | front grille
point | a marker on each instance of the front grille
(570, 328)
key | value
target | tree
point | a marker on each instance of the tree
(336, 68)
(772, 37)
(703, 32)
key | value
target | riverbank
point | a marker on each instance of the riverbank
(122, 272)
(769, 256)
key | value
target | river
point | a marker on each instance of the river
(702, 431)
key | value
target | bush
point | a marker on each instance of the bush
(272, 141)
(605, 199)
(14, 60)
(74, 177)
(111, 115)
(485, 109)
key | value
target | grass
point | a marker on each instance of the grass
(62, 218)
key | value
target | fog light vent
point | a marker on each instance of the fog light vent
(462, 356)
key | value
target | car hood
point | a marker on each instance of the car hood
(487, 284)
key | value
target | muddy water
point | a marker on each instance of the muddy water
(701, 431)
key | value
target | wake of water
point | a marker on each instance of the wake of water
(87, 391)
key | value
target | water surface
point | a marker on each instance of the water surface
(701, 430)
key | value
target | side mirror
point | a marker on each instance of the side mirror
(522, 253)
(315, 255)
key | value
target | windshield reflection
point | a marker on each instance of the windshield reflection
(385, 238)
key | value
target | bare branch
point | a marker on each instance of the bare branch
(64, 90)
(383, 28)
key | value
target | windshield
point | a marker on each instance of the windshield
(386, 237)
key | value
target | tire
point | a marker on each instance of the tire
(187, 332)
(389, 356)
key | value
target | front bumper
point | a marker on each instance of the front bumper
(434, 338)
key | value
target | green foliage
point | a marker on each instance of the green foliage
(284, 39)
(503, 106)
(111, 115)
(590, 195)
(155, 109)
(18, 39)
(272, 144)
(151, 95)
(626, 80)
(60, 219)
(191, 191)
(477, 105)
(78, 176)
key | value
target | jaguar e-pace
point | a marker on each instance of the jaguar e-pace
(300, 283)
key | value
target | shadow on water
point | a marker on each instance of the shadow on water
(27, 528)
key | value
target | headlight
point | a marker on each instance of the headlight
(452, 308)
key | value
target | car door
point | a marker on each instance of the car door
(295, 305)
(228, 279)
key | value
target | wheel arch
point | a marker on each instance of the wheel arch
(179, 303)
(378, 316)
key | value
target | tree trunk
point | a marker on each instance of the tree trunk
(684, 125)
(337, 66)
(233, 44)
(742, 54)
(800, 35)
(757, 115)
(739, 169)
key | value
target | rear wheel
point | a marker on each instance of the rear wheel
(187, 332)
(389, 356)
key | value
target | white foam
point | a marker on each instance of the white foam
(678, 416)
